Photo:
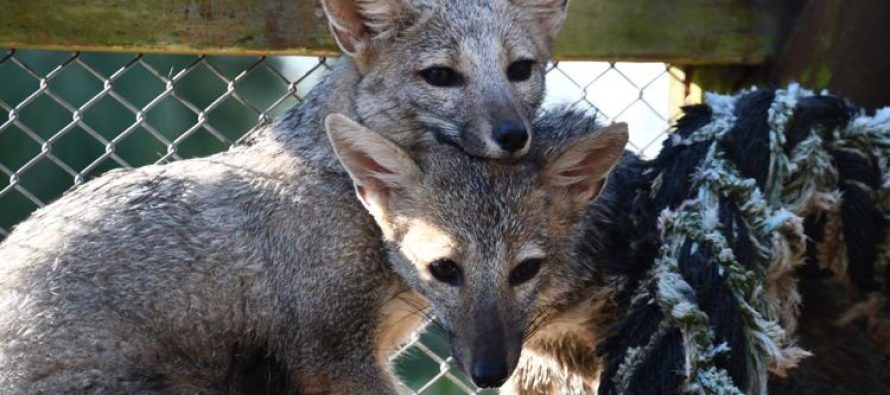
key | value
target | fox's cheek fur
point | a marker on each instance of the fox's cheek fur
(530, 93)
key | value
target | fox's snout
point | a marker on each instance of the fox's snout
(507, 125)
(493, 351)
(489, 367)
(510, 135)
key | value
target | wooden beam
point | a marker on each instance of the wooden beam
(678, 31)
(839, 45)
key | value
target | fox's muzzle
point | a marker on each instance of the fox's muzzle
(510, 135)
(494, 350)
(508, 126)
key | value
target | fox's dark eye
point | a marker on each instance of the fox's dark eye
(446, 271)
(520, 70)
(525, 271)
(441, 76)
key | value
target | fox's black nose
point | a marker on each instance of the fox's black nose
(511, 136)
(489, 374)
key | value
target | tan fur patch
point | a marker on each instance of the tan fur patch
(402, 315)
(424, 242)
(530, 251)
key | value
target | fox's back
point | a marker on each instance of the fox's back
(170, 260)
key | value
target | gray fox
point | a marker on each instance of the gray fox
(256, 269)
(230, 290)
(460, 72)
(490, 245)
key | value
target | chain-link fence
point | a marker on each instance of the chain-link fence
(67, 117)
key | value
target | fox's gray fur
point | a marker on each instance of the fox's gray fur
(257, 269)
(486, 220)
(182, 278)
(478, 40)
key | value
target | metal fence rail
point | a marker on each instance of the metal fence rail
(67, 117)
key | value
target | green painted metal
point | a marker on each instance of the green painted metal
(678, 31)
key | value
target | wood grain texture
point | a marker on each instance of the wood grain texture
(678, 31)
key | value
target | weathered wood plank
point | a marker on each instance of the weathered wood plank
(171, 26)
(841, 46)
(679, 31)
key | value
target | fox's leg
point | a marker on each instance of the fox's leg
(351, 378)
(550, 383)
(340, 352)
(544, 370)
(532, 377)
(372, 383)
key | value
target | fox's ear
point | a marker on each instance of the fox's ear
(378, 167)
(550, 14)
(356, 24)
(578, 173)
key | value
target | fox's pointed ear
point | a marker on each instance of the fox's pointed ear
(357, 24)
(550, 14)
(578, 173)
(379, 168)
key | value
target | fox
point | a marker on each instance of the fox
(466, 73)
(487, 246)
(256, 270)
(491, 246)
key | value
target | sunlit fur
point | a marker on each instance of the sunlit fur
(254, 269)
(487, 216)
(478, 39)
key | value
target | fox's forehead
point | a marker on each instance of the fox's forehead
(461, 28)
(427, 239)
(482, 201)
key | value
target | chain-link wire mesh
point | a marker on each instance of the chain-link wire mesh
(67, 117)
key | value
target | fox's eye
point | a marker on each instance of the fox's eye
(441, 76)
(525, 271)
(446, 271)
(520, 70)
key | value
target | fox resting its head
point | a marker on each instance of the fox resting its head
(479, 239)
(467, 73)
